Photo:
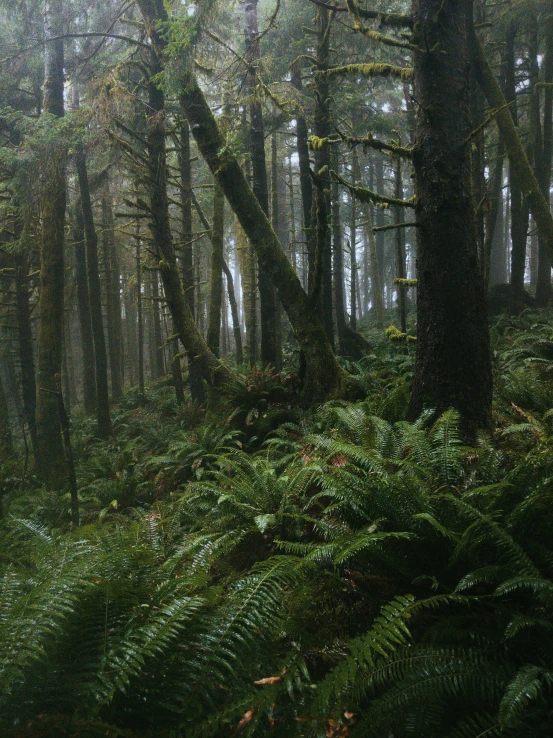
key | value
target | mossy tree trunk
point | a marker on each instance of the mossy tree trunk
(95, 297)
(453, 363)
(322, 282)
(51, 457)
(400, 248)
(376, 284)
(325, 378)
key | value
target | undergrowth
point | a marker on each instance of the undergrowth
(266, 571)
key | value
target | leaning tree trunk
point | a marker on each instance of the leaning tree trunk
(95, 296)
(325, 378)
(51, 456)
(453, 364)
(212, 371)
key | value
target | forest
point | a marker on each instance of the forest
(276, 368)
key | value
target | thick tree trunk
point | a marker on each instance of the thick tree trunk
(276, 223)
(95, 297)
(113, 289)
(51, 455)
(453, 364)
(216, 276)
(246, 257)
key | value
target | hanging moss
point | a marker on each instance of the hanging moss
(369, 70)
(406, 282)
(368, 196)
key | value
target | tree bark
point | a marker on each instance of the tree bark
(235, 315)
(6, 442)
(544, 291)
(26, 351)
(453, 363)
(267, 297)
(322, 283)
(216, 276)
(113, 289)
(95, 297)
(51, 456)
(400, 248)
(194, 370)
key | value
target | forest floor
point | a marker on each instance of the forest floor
(268, 570)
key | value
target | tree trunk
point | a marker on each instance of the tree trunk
(377, 294)
(158, 370)
(26, 352)
(453, 364)
(139, 313)
(322, 283)
(113, 285)
(216, 277)
(235, 315)
(83, 309)
(494, 224)
(275, 222)
(194, 370)
(95, 297)
(6, 443)
(212, 371)
(544, 291)
(518, 159)
(325, 377)
(50, 339)
(267, 295)
(400, 248)
(306, 182)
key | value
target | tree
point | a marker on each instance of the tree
(51, 457)
(453, 364)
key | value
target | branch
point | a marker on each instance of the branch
(370, 142)
(373, 35)
(368, 196)
(117, 36)
(385, 19)
(368, 70)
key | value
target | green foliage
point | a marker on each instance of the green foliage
(353, 575)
